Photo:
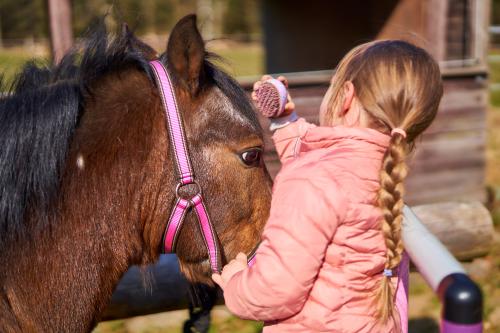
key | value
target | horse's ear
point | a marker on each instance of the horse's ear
(186, 53)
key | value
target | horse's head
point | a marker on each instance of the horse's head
(89, 177)
(121, 156)
(226, 145)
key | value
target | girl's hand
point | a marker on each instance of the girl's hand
(289, 106)
(234, 266)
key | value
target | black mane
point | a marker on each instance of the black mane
(40, 111)
(38, 116)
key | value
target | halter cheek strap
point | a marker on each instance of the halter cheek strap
(186, 176)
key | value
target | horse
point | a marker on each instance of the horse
(87, 176)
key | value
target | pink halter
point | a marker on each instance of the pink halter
(186, 175)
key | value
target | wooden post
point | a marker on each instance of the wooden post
(61, 35)
(436, 27)
(205, 12)
(480, 32)
(465, 228)
(420, 22)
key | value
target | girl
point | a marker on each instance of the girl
(331, 247)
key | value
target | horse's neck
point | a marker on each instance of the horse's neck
(63, 279)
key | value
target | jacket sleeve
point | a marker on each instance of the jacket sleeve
(287, 139)
(300, 227)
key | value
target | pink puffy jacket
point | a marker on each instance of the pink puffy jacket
(322, 250)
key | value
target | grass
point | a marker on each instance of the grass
(490, 283)
(12, 60)
(241, 60)
(238, 59)
(222, 322)
(494, 78)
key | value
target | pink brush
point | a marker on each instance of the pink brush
(271, 98)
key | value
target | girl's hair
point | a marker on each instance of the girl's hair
(399, 86)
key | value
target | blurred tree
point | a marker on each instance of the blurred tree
(495, 20)
(164, 16)
(235, 19)
(61, 32)
(205, 13)
(241, 19)
(23, 19)
(495, 12)
(87, 11)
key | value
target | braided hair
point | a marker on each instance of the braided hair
(399, 86)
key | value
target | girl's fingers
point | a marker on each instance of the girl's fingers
(256, 85)
(290, 106)
(283, 80)
(254, 96)
(264, 78)
(241, 257)
(217, 279)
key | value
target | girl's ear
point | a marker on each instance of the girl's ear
(350, 114)
(348, 97)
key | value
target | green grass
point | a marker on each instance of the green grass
(242, 59)
(233, 324)
(115, 326)
(490, 284)
(494, 78)
(11, 62)
(239, 59)
(222, 322)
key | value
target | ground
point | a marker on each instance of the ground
(424, 307)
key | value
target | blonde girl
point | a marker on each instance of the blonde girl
(331, 248)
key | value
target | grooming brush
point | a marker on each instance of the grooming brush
(271, 98)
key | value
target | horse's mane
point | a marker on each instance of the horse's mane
(38, 116)
(40, 111)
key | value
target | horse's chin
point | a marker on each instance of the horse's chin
(197, 272)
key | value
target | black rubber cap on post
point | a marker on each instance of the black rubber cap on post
(461, 298)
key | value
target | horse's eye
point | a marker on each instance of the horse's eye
(251, 157)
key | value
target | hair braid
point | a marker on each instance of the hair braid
(392, 175)
(399, 86)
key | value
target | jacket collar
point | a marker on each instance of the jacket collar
(351, 138)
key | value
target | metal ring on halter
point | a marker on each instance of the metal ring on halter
(180, 185)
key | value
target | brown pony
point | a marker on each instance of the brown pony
(87, 179)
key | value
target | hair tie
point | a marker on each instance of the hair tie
(387, 272)
(399, 131)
